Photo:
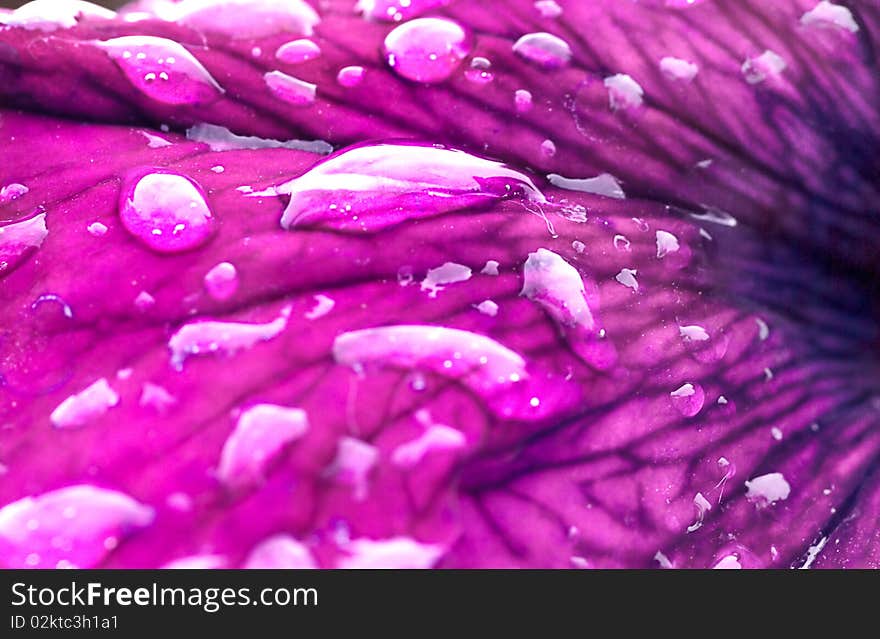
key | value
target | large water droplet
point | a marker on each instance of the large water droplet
(544, 50)
(165, 211)
(298, 51)
(162, 69)
(19, 239)
(559, 289)
(208, 337)
(292, 90)
(426, 49)
(70, 526)
(249, 19)
(477, 361)
(49, 15)
(261, 433)
(373, 186)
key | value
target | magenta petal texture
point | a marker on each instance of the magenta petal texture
(435, 284)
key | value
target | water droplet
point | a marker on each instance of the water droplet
(829, 15)
(544, 50)
(162, 69)
(373, 186)
(298, 51)
(666, 243)
(487, 307)
(289, 89)
(627, 277)
(557, 286)
(221, 282)
(165, 211)
(693, 333)
(197, 562)
(548, 8)
(396, 10)
(621, 243)
(352, 465)
(767, 65)
(261, 433)
(436, 437)
(763, 329)
(156, 398)
(426, 49)
(350, 76)
(448, 273)
(49, 15)
(490, 268)
(205, 337)
(86, 406)
(245, 19)
(522, 100)
(678, 69)
(603, 184)
(480, 71)
(767, 489)
(280, 551)
(323, 305)
(97, 229)
(478, 361)
(19, 239)
(548, 148)
(624, 93)
(730, 562)
(688, 399)
(716, 216)
(12, 192)
(144, 301)
(79, 540)
(396, 552)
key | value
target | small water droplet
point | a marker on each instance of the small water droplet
(544, 50)
(624, 93)
(12, 192)
(426, 49)
(522, 100)
(759, 68)
(678, 69)
(298, 51)
(290, 89)
(480, 71)
(688, 399)
(165, 211)
(86, 406)
(221, 282)
(350, 76)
